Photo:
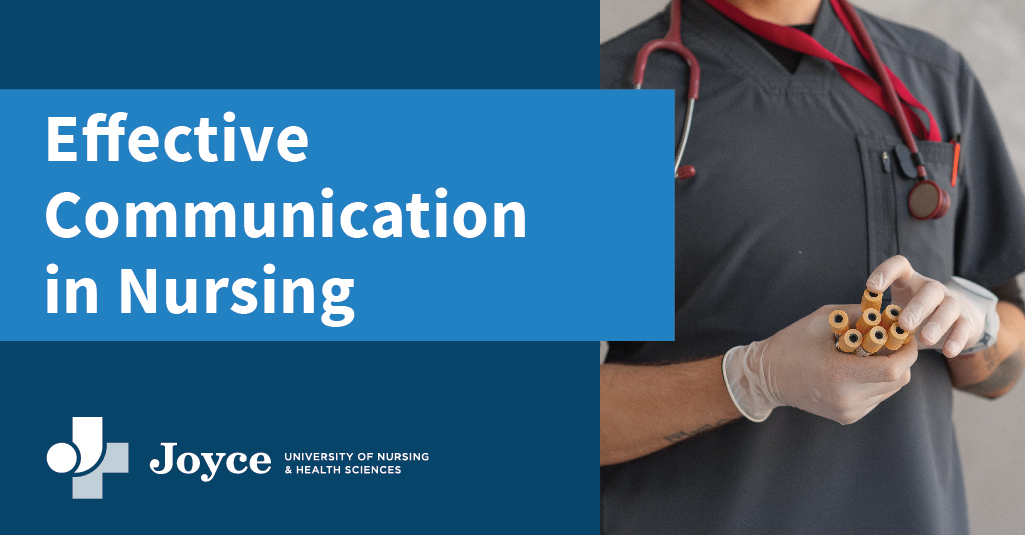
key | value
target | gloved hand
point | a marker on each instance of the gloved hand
(952, 316)
(801, 367)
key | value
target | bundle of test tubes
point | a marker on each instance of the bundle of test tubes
(873, 330)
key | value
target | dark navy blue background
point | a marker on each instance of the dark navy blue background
(507, 428)
(395, 44)
(505, 424)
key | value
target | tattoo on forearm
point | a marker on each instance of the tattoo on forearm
(991, 357)
(1005, 373)
(676, 437)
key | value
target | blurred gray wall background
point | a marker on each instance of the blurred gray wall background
(991, 35)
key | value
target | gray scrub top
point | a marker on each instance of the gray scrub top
(792, 207)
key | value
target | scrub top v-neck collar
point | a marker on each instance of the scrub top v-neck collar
(750, 58)
(787, 57)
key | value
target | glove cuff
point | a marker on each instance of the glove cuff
(739, 385)
(981, 300)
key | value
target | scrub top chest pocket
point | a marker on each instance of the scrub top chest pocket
(927, 244)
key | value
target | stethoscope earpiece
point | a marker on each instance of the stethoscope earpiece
(927, 200)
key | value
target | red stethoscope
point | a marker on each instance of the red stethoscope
(926, 200)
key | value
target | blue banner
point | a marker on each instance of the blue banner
(337, 215)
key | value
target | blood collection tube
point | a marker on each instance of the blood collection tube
(874, 340)
(890, 316)
(869, 318)
(871, 300)
(850, 341)
(908, 339)
(896, 337)
(838, 322)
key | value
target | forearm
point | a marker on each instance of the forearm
(646, 408)
(993, 371)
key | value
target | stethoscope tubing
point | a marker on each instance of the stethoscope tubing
(688, 119)
(673, 41)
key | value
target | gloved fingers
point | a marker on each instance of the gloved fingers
(875, 390)
(929, 296)
(880, 368)
(860, 410)
(856, 413)
(849, 416)
(960, 332)
(940, 321)
(895, 271)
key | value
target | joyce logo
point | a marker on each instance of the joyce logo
(85, 450)
(255, 464)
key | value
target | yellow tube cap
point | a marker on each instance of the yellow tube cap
(838, 322)
(869, 318)
(871, 300)
(896, 337)
(875, 339)
(849, 341)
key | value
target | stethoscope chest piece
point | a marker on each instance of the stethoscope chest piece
(927, 200)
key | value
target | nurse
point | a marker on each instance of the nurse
(800, 203)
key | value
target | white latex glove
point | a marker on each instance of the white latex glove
(952, 316)
(801, 367)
